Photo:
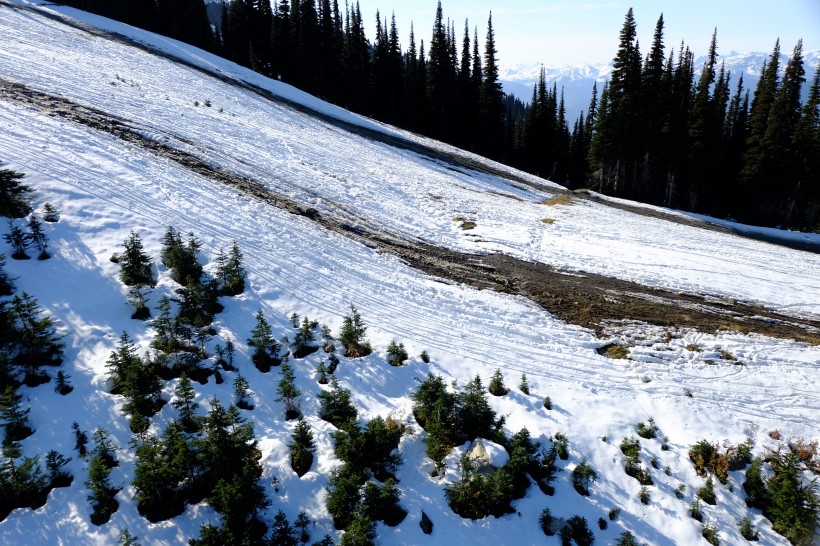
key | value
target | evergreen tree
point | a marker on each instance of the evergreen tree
(266, 348)
(185, 403)
(242, 392)
(6, 284)
(806, 145)
(37, 237)
(302, 448)
(287, 392)
(496, 386)
(795, 506)
(352, 335)
(335, 406)
(14, 416)
(50, 213)
(491, 106)
(282, 533)
(138, 297)
(35, 341)
(17, 238)
(135, 264)
(229, 272)
(80, 439)
(14, 200)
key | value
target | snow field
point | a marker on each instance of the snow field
(105, 188)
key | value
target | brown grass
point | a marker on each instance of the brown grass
(558, 200)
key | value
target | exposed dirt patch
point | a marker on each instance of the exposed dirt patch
(580, 298)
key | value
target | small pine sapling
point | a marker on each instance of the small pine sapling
(425, 357)
(126, 538)
(242, 393)
(396, 354)
(18, 241)
(582, 476)
(561, 444)
(695, 510)
(647, 431)
(524, 387)
(6, 284)
(707, 493)
(38, 237)
(545, 520)
(62, 385)
(602, 524)
(50, 213)
(626, 539)
(302, 447)
(55, 462)
(710, 533)
(547, 403)
(352, 335)
(747, 529)
(294, 320)
(496, 386)
(321, 371)
(80, 439)
(644, 495)
(287, 391)
(301, 525)
(137, 296)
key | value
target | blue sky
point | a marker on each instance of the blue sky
(567, 32)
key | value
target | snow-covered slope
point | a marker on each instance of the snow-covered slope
(105, 188)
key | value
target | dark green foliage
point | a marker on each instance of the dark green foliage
(372, 448)
(547, 403)
(14, 416)
(710, 533)
(626, 539)
(343, 495)
(602, 524)
(287, 392)
(352, 335)
(303, 342)
(757, 494)
(101, 492)
(282, 534)
(32, 341)
(477, 495)
(321, 370)
(266, 348)
(137, 296)
(335, 406)
(648, 431)
(425, 357)
(230, 273)
(133, 378)
(360, 532)
(546, 522)
(135, 264)
(695, 510)
(14, 200)
(644, 495)
(37, 237)
(301, 524)
(631, 447)
(302, 448)
(496, 386)
(524, 387)
(56, 475)
(126, 538)
(185, 403)
(50, 213)
(22, 481)
(582, 476)
(707, 493)
(6, 284)
(198, 302)
(577, 530)
(614, 513)
(18, 240)
(396, 354)
(561, 443)
(326, 541)
(181, 258)
(381, 502)
(242, 392)
(80, 439)
(747, 529)
(62, 384)
(794, 509)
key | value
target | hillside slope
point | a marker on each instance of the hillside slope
(106, 187)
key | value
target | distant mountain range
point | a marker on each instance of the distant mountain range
(577, 80)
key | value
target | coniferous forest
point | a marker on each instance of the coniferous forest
(661, 130)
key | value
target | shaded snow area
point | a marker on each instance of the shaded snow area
(104, 188)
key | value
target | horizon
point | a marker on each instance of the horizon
(587, 32)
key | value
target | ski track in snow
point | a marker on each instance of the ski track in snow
(104, 188)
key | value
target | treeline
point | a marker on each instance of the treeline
(654, 134)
